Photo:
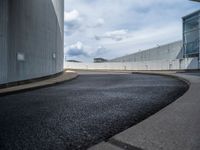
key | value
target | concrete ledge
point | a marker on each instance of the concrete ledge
(38, 83)
(172, 74)
(127, 70)
(176, 127)
(21, 82)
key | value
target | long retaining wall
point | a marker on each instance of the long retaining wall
(177, 64)
(163, 57)
(168, 51)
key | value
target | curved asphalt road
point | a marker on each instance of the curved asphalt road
(82, 112)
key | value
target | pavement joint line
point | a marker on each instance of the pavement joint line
(123, 145)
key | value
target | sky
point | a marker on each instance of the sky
(113, 28)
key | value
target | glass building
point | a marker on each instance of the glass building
(191, 34)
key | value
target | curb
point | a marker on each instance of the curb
(167, 75)
(28, 81)
(43, 85)
(115, 144)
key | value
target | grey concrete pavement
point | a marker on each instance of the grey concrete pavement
(176, 127)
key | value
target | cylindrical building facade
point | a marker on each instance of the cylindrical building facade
(31, 39)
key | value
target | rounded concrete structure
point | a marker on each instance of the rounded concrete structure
(31, 39)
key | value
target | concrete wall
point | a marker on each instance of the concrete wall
(165, 57)
(169, 51)
(177, 64)
(33, 44)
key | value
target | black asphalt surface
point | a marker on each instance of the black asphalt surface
(82, 112)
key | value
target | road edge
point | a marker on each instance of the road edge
(114, 143)
(47, 82)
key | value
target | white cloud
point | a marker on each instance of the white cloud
(101, 51)
(72, 22)
(97, 24)
(100, 22)
(71, 16)
(76, 49)
(116, 35)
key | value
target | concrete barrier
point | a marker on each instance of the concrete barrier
(176, 64)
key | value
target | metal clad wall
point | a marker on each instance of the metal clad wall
(36, 35)
(3, 40)
(199, 40)
(165, 52)
(59, 9)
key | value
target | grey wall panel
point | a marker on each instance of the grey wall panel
(3, 40)
(35, 31)
(164, 52)
(59, 9)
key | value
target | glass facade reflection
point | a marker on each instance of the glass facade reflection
(191, 32)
